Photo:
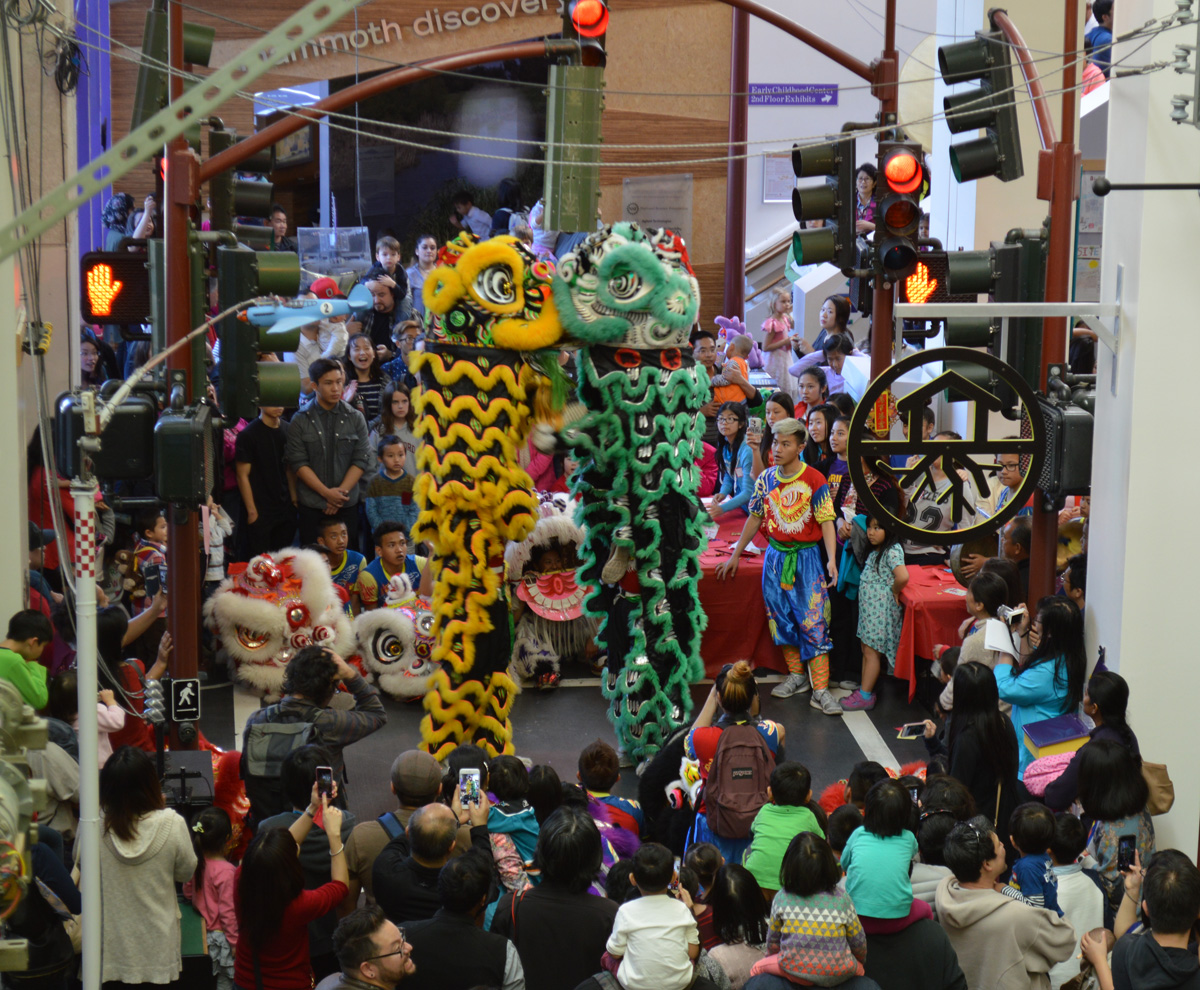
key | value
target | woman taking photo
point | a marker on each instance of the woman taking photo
(274, 909)
(980, 744)
(146, 849)
(1113, 794)
(1049, 681)
(778, 406)
(733, 700)
(1104, 702)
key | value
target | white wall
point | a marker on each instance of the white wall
(1141, 582)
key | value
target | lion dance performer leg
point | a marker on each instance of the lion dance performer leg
(629, 295)
(489, 310)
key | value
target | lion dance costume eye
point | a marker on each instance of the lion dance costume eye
(629, 295)
(488, 307)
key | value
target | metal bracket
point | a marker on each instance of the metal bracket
(197, 104)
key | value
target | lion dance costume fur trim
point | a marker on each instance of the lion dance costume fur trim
(266, 610)
(488, 308)
(629, 295)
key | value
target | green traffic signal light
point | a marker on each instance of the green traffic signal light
(991, 106)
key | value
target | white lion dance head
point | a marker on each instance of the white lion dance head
(276, 605)
(552, 626)
(395, 641)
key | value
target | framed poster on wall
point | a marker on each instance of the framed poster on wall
(778, 178)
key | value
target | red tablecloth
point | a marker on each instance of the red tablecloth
(934, 607)
(737, 618)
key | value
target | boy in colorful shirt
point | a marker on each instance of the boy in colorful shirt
(150, 547)
(791, 502)
(391, 558)
(345, 565)
(390, 493)
(599, 771)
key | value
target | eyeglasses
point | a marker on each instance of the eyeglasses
(404, 949)
(728, 419)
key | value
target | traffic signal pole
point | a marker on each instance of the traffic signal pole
(183, 538)
(884, 87)
(1058, 181)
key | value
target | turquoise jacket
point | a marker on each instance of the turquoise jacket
(1037, 694)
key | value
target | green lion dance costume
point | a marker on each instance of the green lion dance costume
(629, 296)
(489, 311)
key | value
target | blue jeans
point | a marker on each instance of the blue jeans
(768, 981)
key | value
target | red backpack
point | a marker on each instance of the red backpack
(737, 781)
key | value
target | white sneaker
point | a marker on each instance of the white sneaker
(825, 702)
(793, 684)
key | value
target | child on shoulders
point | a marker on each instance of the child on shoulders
(814, 934)
(878, 857)
(655, 940)
(1031, 831)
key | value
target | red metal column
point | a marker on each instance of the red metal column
(887, 72)
(735, 182)
(1064, 190)
(183, 539)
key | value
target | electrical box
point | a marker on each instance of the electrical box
(1067, 466)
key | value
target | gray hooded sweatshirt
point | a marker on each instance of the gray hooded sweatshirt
(1001, 943)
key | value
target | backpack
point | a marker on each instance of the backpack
(265, 746)
(737, 781)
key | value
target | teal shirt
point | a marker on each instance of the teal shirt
(1037, 694)
(877, 872)
(773, 830)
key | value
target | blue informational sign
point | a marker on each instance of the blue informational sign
(793, 95)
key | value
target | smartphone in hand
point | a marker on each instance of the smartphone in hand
(911, 730)
(1126, 848)
(325, 782)
(468, 785)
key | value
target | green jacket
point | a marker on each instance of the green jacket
(773, 829)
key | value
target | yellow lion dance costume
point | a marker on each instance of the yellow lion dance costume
(489, 314)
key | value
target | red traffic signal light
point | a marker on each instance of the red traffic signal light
(589, 18)
(902, 171)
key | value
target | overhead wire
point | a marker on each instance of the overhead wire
(392, 64)
(777, 144)
(332, 116)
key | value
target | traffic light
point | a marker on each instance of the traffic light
(1012, 271)
(150, 94)
(247, 383)
(115, 288)
(235, 194)
(899, 212)
(832, 202)
(585, 19)
(990, 106)
(187, 455)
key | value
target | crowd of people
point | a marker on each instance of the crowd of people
(740, 871)
(734, 868)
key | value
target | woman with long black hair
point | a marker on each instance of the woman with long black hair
(735, 460)
(1105, 702)
(980, 744)
(274, 909)
(1049, 681)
